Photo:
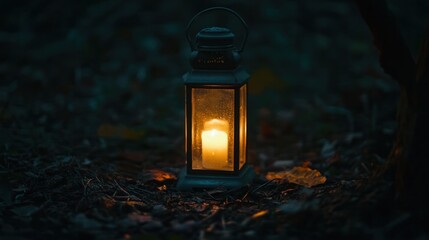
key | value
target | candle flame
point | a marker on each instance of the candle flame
(214, 132)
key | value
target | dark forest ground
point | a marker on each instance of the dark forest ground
(91, 114)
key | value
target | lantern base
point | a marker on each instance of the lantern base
(189, 182)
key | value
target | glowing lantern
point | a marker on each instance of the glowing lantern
(215, 111)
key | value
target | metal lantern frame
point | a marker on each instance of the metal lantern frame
(216, 68)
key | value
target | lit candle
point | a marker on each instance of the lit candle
(215, 144)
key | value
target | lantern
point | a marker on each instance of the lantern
(215, 110)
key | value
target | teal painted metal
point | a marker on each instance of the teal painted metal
(203, 181)
(215, 62)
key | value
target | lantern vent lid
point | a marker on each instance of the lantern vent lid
(215, 38)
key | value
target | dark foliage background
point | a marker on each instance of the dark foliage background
(94, 88)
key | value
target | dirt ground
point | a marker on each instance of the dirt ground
(91, 123)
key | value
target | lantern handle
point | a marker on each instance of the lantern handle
(246, 32)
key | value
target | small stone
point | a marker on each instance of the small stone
(158, 210)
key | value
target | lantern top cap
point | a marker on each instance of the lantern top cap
(194, 44)
(215, 38)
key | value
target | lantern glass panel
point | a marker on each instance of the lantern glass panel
(212, 129)
(243, 124)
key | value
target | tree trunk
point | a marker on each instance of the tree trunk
(408, 158)
(409, 155)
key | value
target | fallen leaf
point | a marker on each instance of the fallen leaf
(306, 164)
(108, 202)
(162, 188)
(303, 176)
(133, 203)
(253, 217)
(259, 214)
(160, 175)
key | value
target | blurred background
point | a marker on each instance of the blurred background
(107, 74)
